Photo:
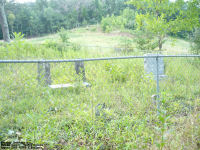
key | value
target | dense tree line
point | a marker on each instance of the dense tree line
(48, 16)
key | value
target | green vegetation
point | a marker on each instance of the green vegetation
(125, 20)
(163, 17)
(49, 16)
(119, 110)
(196, 42)
(99, 42)
(116, 112)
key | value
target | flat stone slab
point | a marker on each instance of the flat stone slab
(58, 86)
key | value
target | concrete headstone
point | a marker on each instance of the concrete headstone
(80, 70)
(44, 74)
(150, 66)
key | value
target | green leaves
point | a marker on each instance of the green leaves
(64, 35)
(162, 16)
(18, 36)
(125, 20)
(108, 24)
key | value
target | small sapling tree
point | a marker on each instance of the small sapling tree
(161, 17)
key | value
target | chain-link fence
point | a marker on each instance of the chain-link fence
(99, 103)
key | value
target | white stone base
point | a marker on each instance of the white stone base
(58, 86)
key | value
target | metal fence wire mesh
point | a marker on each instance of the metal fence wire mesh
(69, 103)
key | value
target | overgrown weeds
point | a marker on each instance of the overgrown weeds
(116, 112)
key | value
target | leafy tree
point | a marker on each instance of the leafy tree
(41, 4)
(11, 20)
(125, 20)
(194, 11)
(196, 42)
(129, 14)
(161, 17)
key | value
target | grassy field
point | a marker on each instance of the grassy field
(116, 112)
(93, 38)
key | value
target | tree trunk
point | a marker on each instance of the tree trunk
(4, 23)
(160, 43)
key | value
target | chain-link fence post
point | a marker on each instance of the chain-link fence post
(157, 83)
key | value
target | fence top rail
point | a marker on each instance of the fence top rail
(96, 59)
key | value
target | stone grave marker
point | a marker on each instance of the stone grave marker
(44, 74)
(80, 71)
(150, 66)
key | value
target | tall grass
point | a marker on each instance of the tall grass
(116, 112)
